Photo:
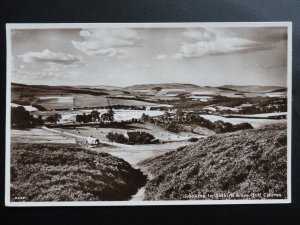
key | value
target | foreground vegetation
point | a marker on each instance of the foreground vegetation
(61, 172)
(251, 163)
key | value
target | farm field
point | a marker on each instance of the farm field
(36, 135)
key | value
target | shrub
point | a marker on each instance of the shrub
(242, 126)
(140, 137)
(136, 137)
(117, 137)
(193, 139)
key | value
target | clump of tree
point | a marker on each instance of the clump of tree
(219, 126)
(53, 118)
(117, 137)
(108, 116)
(95, 115)
(145, 117)
(21, 118)
(135, 137)
(175, 124)
(87, 118)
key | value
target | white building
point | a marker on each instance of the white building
(93, 141)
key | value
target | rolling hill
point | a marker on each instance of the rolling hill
(244, 162)
(66, 172)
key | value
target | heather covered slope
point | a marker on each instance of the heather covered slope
(66, 172)
(244, 163)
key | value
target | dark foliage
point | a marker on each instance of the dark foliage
(20, 118)
(252, 162)
(135, 137)
(56, 172)
(53, 118)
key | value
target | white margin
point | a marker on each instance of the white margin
(11, 26)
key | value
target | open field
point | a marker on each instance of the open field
(156, 131)
(137, 153)
(36, 135)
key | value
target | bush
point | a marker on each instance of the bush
(193, 139)
(242, 126)
(117, 137)
(140, 137)
(136, 137)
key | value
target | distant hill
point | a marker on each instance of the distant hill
(163, 86)
(252, 88)
(243, 162)
(102, 87)
(37, 90)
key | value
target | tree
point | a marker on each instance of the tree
(53, 118)
(108, 116)
(95, 115)
(39, 121)
(111, 114)
(20, 117)
(144, 117)
(78, 118)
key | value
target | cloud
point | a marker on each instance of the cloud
(107, 42)
(200, 34)
(161, 56)
(48, 56)
(220, 47)
(221, 42)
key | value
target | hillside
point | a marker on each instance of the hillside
(253, 88)
(38, 90)
(245, 162)
(162, 86)
(66, 172)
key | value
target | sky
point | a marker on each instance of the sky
(204, 56)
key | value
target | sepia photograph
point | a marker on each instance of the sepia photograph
(148, 114)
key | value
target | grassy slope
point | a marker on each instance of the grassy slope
(56, 172)
(243, 162)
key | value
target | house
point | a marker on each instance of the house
(92, 141)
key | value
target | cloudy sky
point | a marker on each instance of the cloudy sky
(123, 56)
